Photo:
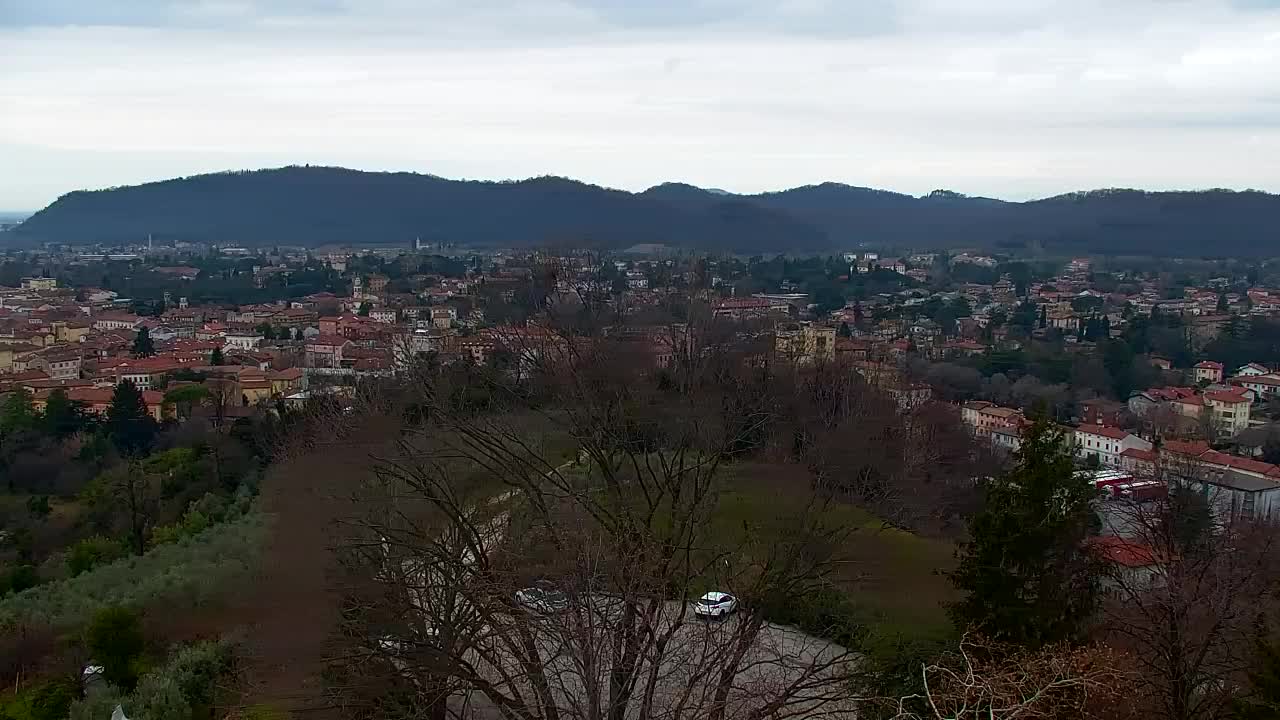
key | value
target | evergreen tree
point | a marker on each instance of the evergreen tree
(18, 412)
(1025, 575)
(844, 331)
(129, 424)
(215, 358)
(1044, 317)
(142, 344)
(1222, 303)
(365, 307)
(62, 416)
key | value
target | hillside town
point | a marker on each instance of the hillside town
(1145, 378)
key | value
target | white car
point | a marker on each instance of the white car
(543, 599)
(715, 605)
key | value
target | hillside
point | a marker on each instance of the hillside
(317, 205)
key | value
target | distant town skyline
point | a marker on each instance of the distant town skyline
(1015, 100)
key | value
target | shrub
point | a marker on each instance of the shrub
(22, 577)
(181, 689)
(826, 613)
(44, 701)
(193, 569)
(115, 642)
(91, 552)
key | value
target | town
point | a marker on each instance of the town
(1157, 377)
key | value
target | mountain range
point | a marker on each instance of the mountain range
(305, 205)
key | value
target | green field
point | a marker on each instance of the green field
(893, 577)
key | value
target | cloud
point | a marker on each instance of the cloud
(1003, 97)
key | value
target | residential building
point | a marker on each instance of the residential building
(115, 321)
(1106, 443)
(39, 283)
(97, 400)
(805, 343)
(1230, 408)
(1265, 385)
(1208, 371)
(984, 417)
(325, 351)
(242, 340)
(1252, 369)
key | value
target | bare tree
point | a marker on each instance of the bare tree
(1186, 585)
(596, 488)
(986, 681)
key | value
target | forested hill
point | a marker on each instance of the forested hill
(317, 205)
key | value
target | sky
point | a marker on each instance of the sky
(1004, 98)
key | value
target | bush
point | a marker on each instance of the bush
(114, 640)
(158, 698)
(181, 689)
(44, 701)
(194, 569)
(97, 706)
(91, 552)
(825, 613)
(22, 577)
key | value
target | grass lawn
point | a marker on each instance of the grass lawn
(891, 575)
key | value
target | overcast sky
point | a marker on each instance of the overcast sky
(1008, 98)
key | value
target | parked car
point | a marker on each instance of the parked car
(543, 598)
(715, 605)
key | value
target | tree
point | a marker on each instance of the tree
(18, 412)
(988, 681)
(62, 417)
(143, 346)
(844, 330)
(129, 423)
(620, 530)
(215, 357)
(1189, 615)
(186, 397)
(1222, 303)
(1044, 317)
(125, 498)
(365, 309)
(1263, 699)
(1026, 577)
(114, 640)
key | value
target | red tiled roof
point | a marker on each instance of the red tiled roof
(1236, 462)
(1268, 379)
(1123, 552)
(1194, 448)
(1139, 454)
(334, 340)
(1228, 396)
(1209, 365)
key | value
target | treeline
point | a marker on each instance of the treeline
(315, 206)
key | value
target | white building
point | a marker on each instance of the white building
(1106, 443)
(241, 341)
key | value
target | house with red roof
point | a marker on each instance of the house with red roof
(1208, 371)
(738, 308)
(1129, 564)
(325, 351)
(97, 399)
(1264, 385)
(1106, 443)
(1230, 409)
